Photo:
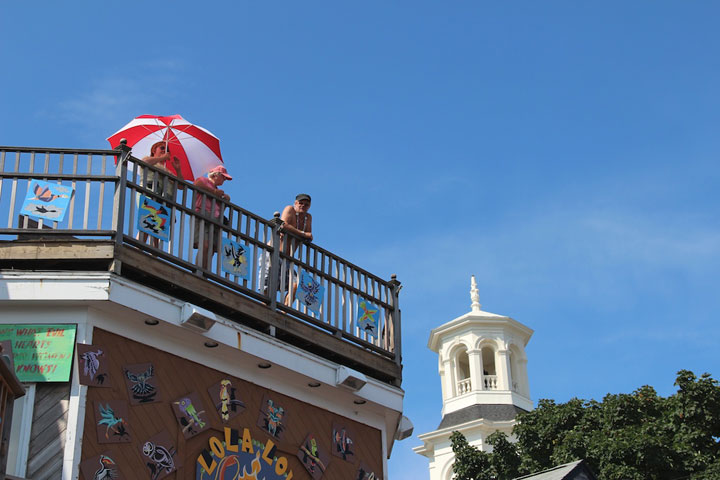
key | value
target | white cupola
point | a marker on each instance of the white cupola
(483, 373)
(481, 359)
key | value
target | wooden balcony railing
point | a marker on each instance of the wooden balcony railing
(107, 185)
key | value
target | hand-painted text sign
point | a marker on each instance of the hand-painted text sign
(241, 456)
(42, 353)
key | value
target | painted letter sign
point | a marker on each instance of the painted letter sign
(238, 455)
(42, 353)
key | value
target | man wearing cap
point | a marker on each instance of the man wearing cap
(296, 229)
(210, 208)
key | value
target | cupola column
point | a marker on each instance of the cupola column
(448, 379)
(524, 383)
(476, 368)
(504, 380)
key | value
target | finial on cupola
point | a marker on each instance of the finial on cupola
(474, 295)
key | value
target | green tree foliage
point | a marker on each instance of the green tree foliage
(637, 436)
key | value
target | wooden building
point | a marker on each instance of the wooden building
(139, 362)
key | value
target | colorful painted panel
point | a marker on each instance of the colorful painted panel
(93, 363)
(273, 417)
(141, 383)
(236, 456)
(46, 201)
(101, 467)
(190, 414)
(236, 258)
(42, 353)
(310, 293)
(153, 218)
(160, 456)
(225, 398)
(343, 442)
(368, 317)
(111, 418)
(313, 458)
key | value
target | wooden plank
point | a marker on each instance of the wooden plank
(50, 251)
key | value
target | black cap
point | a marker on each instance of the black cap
(303, 196)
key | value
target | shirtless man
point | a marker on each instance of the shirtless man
(298, 223)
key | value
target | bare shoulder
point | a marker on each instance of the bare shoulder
(288, 214)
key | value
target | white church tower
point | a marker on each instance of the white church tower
(483, 373)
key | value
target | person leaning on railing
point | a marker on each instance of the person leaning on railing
(159, 157)
(298, 222)
(204, 206)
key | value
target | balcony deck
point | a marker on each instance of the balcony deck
(99, 232)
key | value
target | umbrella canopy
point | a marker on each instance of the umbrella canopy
(197, 148)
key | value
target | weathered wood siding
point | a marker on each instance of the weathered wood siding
(47, 437)
(176, 377)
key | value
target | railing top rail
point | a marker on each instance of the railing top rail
(60, 150)
(192, 186)
(345, 262)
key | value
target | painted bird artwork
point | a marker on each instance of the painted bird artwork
(310, 292)
(91, 363)
(155, 219)
(161, 458)
(367, 320)
(228, 402)
(311, 456)
(43, 210)
(192, 416)
(273, 419)
(343, 443)
(44, 194)
(112, 422)
(141, 388)
(236, 257)
(107, 470)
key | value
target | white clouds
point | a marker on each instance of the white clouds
(106, 102)
(599, 257)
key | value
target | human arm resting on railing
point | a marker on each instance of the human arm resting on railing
(288, 217)
(206, 185)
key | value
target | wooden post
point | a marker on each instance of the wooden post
(118, 222)
(275, 223)
(397, 339)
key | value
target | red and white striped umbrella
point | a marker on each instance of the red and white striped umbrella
(197, 148)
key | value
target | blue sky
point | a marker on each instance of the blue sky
(566, 153)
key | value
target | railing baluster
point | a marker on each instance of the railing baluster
(13, 190)
(253, 267)
(102, 194)
(71, 213)
(87, 195)
(2, 169)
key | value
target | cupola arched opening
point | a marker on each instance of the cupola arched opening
(462, 371)
(489, 374)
